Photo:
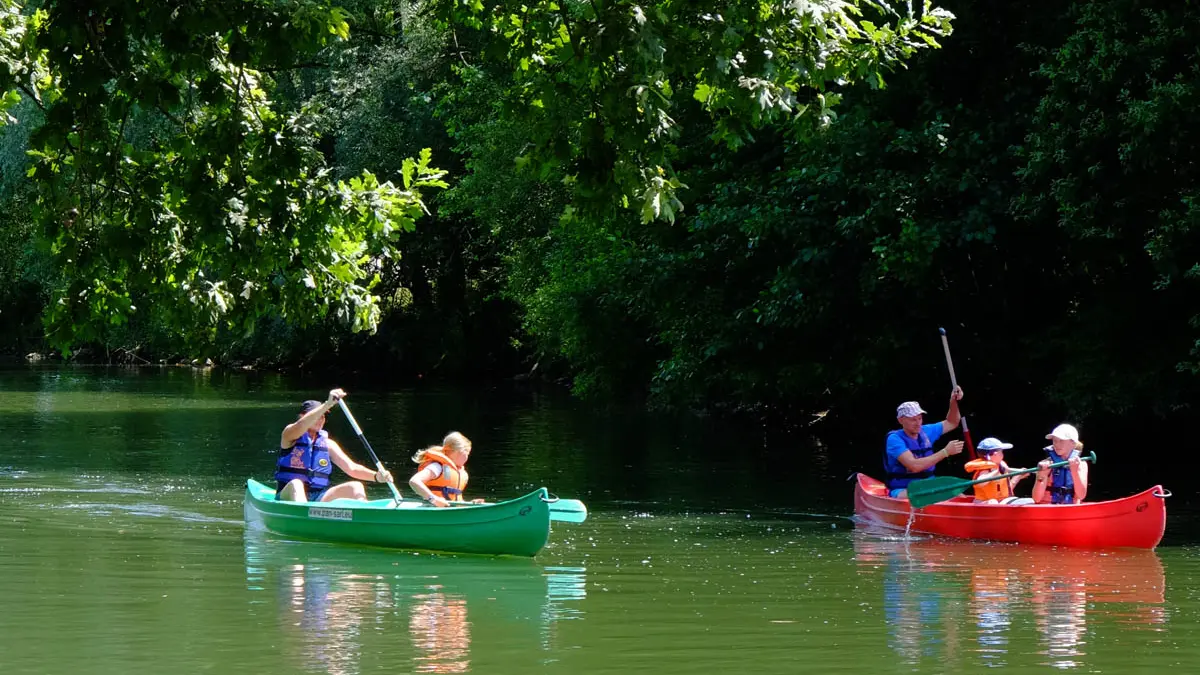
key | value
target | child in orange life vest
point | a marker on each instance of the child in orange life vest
(441, 476)
(991, 463)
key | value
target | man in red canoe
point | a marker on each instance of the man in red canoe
(909, 455)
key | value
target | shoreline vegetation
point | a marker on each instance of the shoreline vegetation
(616, 197)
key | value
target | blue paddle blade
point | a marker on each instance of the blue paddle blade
(568, 511)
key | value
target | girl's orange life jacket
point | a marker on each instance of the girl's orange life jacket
(451, 483)
(996, 489)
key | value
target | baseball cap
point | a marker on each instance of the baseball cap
(1065, 432)
(991, 444)
(909, 409)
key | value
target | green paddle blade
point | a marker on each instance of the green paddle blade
(568, 511)
(928, 491)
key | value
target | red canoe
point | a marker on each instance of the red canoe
(1134, 522)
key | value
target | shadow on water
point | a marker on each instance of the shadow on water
(947, 600)
(338, 608)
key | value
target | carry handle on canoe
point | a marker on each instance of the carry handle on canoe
(922, 493)
(363, 439)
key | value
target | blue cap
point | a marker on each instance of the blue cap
(990, 445)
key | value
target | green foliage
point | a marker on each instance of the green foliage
(600, 87)
(239, 176)
(1109, 160)
(1038, 224)
(169, 183)
(27, 273)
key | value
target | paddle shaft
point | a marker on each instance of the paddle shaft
(928, 491)
(1090, 458)
(367, 445)
(954, 385)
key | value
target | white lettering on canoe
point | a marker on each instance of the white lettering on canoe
(330, 514)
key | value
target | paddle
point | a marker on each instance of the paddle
(563, 510)
(922, 493)
(953, 386)
(378, 464)
(568, 511)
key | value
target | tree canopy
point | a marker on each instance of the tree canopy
(708, 203)
(167, 181)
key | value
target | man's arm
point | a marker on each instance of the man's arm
(919, 464)
(353, 469)
(301, 426)
(953, 417)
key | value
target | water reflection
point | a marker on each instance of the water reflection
(930, 586)
(337, 606)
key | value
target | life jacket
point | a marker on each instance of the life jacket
(1062, 485)
(894, 473)
(994, 489)
(308, 460)
(451, 483)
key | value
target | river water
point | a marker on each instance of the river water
(709, 546)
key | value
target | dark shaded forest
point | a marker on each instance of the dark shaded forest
(697, 204)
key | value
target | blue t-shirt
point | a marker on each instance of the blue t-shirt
(896, 447)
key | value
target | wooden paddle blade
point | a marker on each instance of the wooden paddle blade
(922, 493)
(568, 511)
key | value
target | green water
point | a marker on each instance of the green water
(122, 549)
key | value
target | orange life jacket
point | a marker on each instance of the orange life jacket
(996, 489)
(451, 483)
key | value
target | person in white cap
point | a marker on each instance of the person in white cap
(1063, 484)
(909, 454)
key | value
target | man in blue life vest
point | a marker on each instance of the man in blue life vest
(909, 455)
(307, 455)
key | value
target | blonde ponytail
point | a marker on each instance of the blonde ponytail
(419, 458)
(452, 440)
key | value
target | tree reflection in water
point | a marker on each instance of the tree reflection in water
(929, 585)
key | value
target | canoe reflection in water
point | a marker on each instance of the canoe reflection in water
(338, 605)
(931, 585)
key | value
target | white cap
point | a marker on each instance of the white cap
(1065, 432)
(909, 409)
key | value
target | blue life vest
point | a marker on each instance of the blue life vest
(1062, 485)
(920, 447)
(307, 460)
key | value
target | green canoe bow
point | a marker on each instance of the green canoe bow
(519, 526)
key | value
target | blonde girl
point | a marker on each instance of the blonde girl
(441, 477)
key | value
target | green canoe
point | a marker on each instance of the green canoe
(516, 527)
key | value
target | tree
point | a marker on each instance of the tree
(1109, 167)
(600, 86)
(168, 181)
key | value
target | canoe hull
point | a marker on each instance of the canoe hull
(519, 527)
(1134, 522)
